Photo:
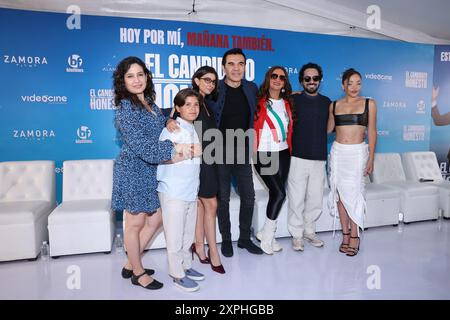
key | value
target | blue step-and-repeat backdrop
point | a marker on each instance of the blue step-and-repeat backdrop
(57, 93)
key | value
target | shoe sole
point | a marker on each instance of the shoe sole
(242, 247)
(298, 249)
(316, 245)
(187, 289)
(196, 278)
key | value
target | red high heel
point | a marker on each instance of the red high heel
(194, 250)
(219, 268)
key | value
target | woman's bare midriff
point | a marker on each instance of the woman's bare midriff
(353, 134)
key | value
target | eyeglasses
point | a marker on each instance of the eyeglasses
(209, 81)
(314, 78)
(275, 76)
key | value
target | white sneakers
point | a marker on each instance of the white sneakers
(299, 245)
(313, 239)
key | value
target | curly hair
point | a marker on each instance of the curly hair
(121, 92)
(309, 65)
(263, 92)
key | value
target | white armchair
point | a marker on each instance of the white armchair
(424, 165)
(27, 196)
(383, 205)
(418, 201)
(84, 221)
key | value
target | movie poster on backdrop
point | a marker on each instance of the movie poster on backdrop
(440, 109)
(58, 101)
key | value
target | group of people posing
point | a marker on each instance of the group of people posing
(177, 170)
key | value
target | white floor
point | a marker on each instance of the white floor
(412, 264)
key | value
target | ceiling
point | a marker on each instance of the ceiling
(406, 20)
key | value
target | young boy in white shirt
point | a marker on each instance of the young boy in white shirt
(178, 185)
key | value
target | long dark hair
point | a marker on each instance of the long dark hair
(121, 92)
(200, 73)
(263, 92)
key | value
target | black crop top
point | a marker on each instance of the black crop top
(361, 119)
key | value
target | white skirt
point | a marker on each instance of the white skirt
(347, 165)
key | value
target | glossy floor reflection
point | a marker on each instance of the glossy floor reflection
(411, 264)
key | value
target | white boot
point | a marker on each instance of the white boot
(266, 235)
(276, 246)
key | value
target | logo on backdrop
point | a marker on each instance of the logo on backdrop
(44, 99)
(413, 133)
(101, 99)
(396, 105)
(378, 76)
(108, 68)
(416, 80)
(111, 65)
(445, 56)
(383, 133)
(75, 62)
(33, 134)
(25, 61)
(420, 107)
(83, 134)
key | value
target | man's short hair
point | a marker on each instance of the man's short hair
(233, 51)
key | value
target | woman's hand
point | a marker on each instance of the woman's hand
(196, 150)
(183, 151)
(369, 167)
(172, 125)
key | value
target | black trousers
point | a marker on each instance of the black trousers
(244, 179)
(274, 173)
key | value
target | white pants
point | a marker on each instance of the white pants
(179, 219)
(305, 195)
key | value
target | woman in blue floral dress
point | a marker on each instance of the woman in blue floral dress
(139, 122)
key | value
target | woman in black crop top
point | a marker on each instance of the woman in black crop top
(351, 158)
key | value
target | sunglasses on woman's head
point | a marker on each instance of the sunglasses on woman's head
(314, 78)
(275, 76)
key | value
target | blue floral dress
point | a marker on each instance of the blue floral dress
(134, 177)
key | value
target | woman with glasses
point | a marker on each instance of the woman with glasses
(351, 158)
(204, 81)
(273, 127)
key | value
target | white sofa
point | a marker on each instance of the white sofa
(84, 221)
(418, 201)
(27, 196)
(424, 165)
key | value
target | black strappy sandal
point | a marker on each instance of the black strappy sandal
(351, 252)
(344, 246)
(154, 285)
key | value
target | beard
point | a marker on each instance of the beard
(311, 90)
